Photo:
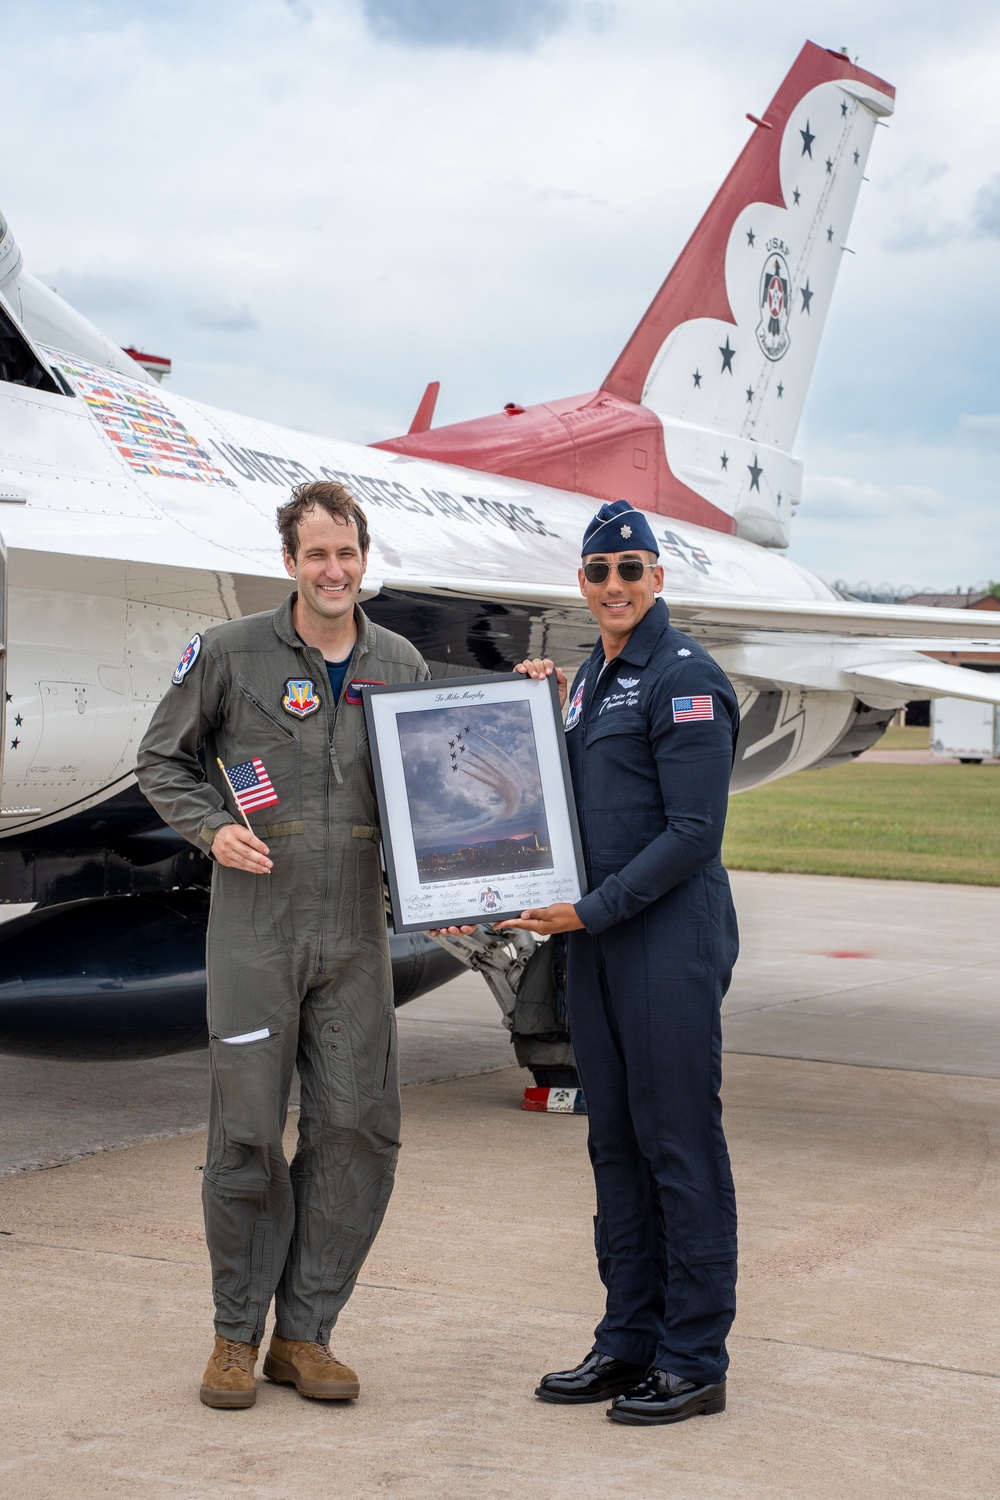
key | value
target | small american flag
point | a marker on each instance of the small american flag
(686, 709)
(251, 785)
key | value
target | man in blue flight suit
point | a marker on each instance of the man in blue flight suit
(651, 735)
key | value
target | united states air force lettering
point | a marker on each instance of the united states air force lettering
(474, 510)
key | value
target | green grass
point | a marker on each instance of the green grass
(906, 737)
(890, 822)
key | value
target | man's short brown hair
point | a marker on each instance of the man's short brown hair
(320, 494)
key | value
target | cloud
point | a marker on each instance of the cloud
(921, 234)
(986, 425)
(471, 773)
(568, 195)
(492, 25)
(350, 188)
(921, 223)
(99, 294)
(986, 207)
(827, 496)
(224, 317)
(907, 509)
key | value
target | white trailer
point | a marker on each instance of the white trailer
(963, 730)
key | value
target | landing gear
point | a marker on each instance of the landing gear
(528, 982)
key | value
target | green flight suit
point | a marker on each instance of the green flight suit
(300, 956)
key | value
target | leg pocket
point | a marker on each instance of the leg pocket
(341, 1103)
(385, 1056)
(388, 1121)
(250, 1077)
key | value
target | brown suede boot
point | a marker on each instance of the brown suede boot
(229, 1378)
(311, 1368)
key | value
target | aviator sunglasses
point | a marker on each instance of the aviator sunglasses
(629, 571)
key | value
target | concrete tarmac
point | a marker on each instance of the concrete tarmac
(862, 1099)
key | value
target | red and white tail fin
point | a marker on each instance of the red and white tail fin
(726, 350)
(698, 416)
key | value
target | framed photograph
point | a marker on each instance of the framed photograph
(478, 820)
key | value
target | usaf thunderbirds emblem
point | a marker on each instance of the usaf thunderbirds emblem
(576, 707)
(192, 651)
(775, 305)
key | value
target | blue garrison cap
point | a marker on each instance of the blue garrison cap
(619, 527)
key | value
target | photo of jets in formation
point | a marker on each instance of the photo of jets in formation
(132, 517)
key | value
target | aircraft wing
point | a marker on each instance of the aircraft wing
(873, 650)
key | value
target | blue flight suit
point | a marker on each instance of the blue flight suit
(651, 740)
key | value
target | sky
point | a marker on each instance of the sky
(478, 763)
(314, 207)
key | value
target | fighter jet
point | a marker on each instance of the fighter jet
(134, 517)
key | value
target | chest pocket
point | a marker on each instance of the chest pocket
(621, 773)
(255, 729)
(617, 720)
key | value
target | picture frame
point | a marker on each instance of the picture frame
(474, 796)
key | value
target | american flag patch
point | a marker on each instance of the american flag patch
(687, 709)
(251, 785)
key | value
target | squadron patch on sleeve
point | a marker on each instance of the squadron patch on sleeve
(192, 651)
(576, 707)
(686, 710)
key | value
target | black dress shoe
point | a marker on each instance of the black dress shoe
(597, 1378)
(663, 1397)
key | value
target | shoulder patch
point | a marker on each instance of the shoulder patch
(686, 710)
(684, 651)
(576, 707)
(192, 651)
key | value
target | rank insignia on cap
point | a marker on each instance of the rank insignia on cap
(301, 698)
(192, 651)
(688, 709)
(352, 694)
(618, 526)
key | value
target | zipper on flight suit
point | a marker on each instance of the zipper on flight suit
(601, 678)
(334, 766)
(584, 722)
(272, 717)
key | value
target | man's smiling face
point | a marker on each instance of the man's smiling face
(618, 606)
(328, 566)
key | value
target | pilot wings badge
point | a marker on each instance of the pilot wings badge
(628, 682)
(301, 698)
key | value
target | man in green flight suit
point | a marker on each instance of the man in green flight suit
(298, 957)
